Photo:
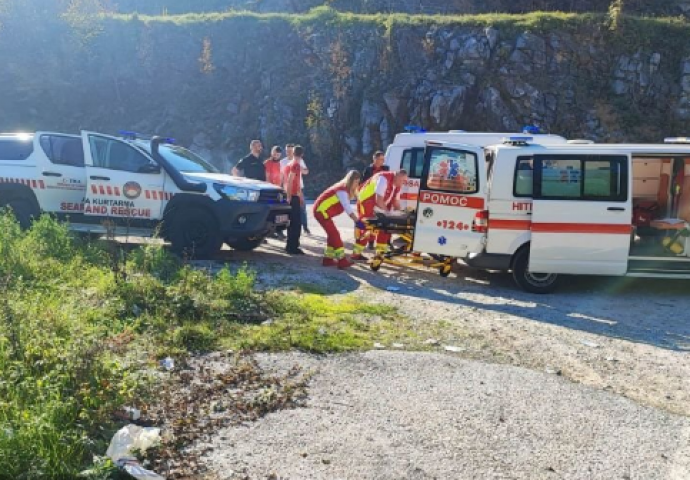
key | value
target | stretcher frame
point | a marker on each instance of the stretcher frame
(404, 228)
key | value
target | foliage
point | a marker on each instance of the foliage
(77, 342)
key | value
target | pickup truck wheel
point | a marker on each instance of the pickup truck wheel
(246, 244)
(23, 210)
(194, 233)
(532, 282)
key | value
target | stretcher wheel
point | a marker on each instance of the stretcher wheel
(445, 270)
(376, 264)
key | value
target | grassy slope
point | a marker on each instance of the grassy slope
(82, 327)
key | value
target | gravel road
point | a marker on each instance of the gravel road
(619, 347)
(397, 415)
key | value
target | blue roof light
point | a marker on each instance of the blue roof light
(518, 139)
(531, 129)
(414, 129)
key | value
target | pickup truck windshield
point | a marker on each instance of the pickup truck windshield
(185, 161)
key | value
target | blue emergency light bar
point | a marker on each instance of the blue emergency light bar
(129, 135)
(677, 140)
(532, 129)
(414, 129)
(518, 140)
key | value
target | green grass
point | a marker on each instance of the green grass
(328, 17)
(82, 325)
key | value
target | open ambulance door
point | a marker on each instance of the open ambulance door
(451, 198)
(581, 213)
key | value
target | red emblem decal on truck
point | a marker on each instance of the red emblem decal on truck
(132, 190)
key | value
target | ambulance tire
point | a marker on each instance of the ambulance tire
(23, 210)
(246, 244)
(194, 233)
(533, 283)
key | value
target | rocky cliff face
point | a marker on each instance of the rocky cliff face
(345, 87)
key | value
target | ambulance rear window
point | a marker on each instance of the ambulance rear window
(453, 171)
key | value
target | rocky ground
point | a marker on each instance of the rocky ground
(590, 382)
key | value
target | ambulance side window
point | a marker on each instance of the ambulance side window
(413, 162)
(588, 177)
(453, 171)
(524, 177)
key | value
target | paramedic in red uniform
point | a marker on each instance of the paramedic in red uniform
(331, 203)
(382, 191)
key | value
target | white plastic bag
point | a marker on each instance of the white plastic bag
(129, 439)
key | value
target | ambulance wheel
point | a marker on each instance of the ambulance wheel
(532, 282)
(376, 264)
(246, 244)
(194, 233)
(445, 270)
(23, 211)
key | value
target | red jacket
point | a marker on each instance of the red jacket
(328, 203)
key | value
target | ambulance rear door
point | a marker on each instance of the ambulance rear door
(581, 212)
(451, 197)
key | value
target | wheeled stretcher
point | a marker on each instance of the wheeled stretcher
(401, 227)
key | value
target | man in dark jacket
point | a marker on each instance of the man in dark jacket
(375, 167)
(251, 166)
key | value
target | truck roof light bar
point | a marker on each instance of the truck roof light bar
(518, 140)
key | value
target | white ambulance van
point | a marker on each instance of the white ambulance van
(136, 186)
(407, 152)
(543, 211)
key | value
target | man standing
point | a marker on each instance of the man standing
(289, 149)
(293, 185)
(251, 166)
(375, 167)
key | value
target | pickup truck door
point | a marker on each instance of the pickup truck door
(61, 174)
(452, 193)
(581, 213)
(123, 182)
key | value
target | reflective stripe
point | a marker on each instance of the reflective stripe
(339, 253)
(367, 192)
(330, 252)
(358, 249)
(326, 204)
(381, 247)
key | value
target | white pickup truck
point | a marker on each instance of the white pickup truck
(137, 186)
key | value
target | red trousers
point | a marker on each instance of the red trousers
(334, 243)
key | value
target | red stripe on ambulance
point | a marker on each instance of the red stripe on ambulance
(509, 224)
(602, 228)
(452, 200)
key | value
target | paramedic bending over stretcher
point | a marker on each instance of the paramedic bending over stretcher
(380, 193)
(331, 203)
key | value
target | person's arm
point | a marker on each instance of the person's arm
(347, 206)
(381, 187)
(305, 170)
(238, 170)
